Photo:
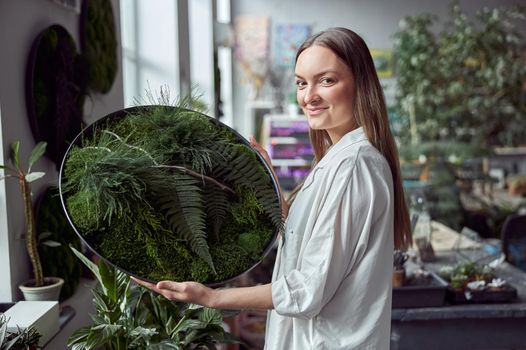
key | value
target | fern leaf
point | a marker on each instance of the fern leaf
(217, 204)
(236, 164)
(180, 199)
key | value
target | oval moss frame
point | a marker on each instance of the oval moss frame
(55, 90)
(119, 115)
(98, 42)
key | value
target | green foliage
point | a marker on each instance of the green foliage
(466, 83)
(461, 274)
(58, 261)
(25, 177)
(130, 316)
(21, 339)
(180, 199)
(170, 181)
(100, 49)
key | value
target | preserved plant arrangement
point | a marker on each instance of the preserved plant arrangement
(165, 192)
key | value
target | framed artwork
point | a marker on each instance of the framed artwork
(251, 34)
(383, 62)
(288, 38)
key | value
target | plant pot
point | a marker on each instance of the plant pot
(398, 278)
(50, 291)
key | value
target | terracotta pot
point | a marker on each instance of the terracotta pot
(398, 278)
(50, 291)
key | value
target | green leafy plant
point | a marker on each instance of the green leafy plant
(25, 177)
(22, 339)
(466, 83)
(173, 182)
(461, 274)
(130, 316)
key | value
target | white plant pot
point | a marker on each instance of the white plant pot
(50, 291)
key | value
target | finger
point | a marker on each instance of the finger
(148, 285)
(143, 283)
(170, 285)
(253, 142)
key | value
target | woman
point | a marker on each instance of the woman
(331, 285)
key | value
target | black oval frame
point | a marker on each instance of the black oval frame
(122, 113)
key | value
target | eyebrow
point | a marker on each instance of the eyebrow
(319, 74)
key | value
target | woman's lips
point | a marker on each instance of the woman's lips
(316, 111)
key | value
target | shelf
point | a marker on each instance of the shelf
(291, 162)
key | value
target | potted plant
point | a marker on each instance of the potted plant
(131, 316)
(39, 288)
(399, 259)
(22, 339)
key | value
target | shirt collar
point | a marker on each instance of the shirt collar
(351, 137)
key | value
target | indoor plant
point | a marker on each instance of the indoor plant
(464, 84)
(22, 339)
(399, 259)
(189, 191)
(39, 288)
(131, 316)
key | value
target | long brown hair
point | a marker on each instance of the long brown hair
(369, 112)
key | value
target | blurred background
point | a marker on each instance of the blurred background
(453, 74)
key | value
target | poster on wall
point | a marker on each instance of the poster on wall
(251, 33)
(252, 51)
(383, 62)
(288, 38)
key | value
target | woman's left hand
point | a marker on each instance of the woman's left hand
(188, 292)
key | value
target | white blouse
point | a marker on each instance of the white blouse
(331, 285)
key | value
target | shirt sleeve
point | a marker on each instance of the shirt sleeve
(339, 240)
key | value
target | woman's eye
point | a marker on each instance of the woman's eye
(300, 83)
(327, 81)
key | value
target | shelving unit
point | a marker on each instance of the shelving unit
(286, 139)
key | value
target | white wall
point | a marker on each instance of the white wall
(20, 22)
(375, 20)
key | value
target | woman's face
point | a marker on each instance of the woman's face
(325, 91)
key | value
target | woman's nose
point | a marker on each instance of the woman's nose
(311, 95)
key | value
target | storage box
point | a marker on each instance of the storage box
(43, 315)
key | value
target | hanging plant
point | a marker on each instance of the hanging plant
(55, 90)
(99, 43)
(168, 193)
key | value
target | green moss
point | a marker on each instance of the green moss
(101, 45)
(112, 191)
(251, 243)
(248, 209)
(230, 261)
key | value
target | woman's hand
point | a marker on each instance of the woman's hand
(188, 292)
(266, 157)
(255, 298)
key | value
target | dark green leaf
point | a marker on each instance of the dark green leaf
(36, 153)
(89, 264)
(77, 340)
(15, 154)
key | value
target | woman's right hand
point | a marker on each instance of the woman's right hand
(263, 152)
(188, 292)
